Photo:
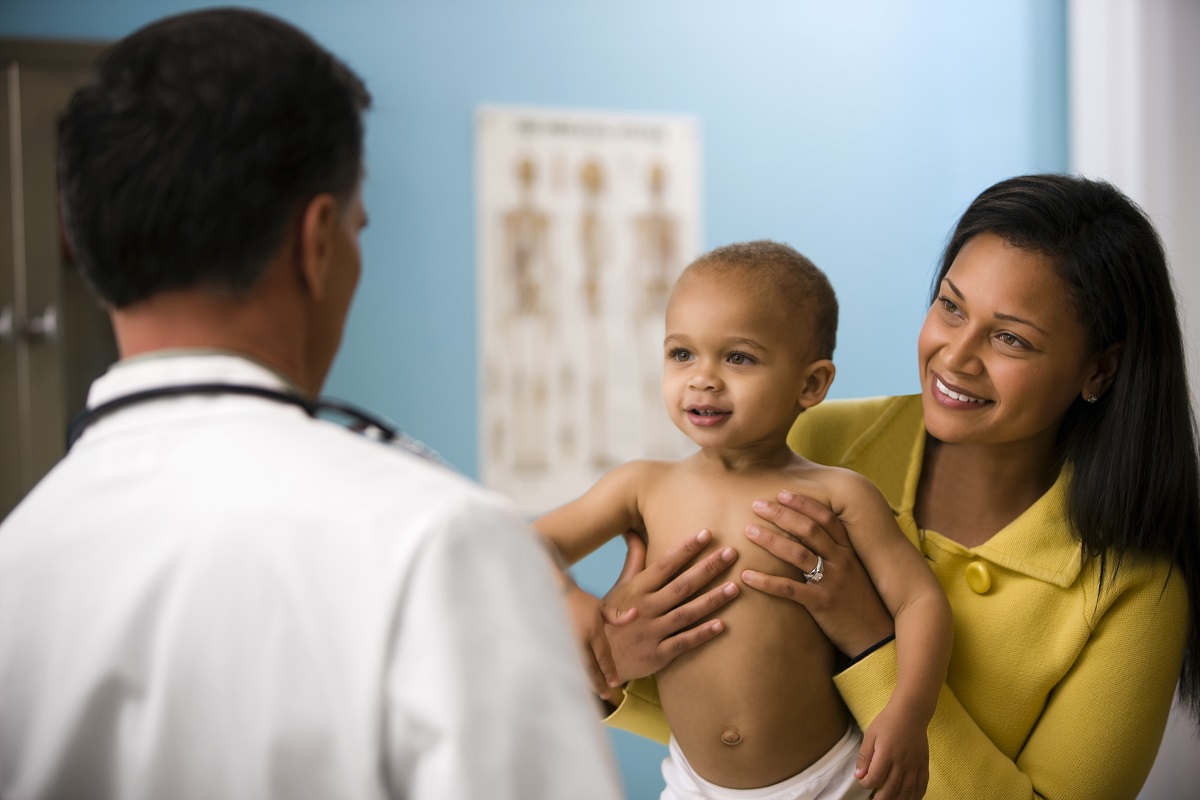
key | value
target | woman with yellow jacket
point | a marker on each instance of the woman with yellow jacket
(1047, 471)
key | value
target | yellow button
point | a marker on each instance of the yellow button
(978, 577)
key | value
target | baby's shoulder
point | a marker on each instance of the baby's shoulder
(642, 474)
(842, 486)
(647, 467)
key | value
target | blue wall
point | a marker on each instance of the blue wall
(855, 130)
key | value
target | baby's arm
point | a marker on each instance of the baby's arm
(605, 511)
(895, 753)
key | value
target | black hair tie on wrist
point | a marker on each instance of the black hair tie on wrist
(869, 650)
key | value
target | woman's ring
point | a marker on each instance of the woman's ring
(817, 572)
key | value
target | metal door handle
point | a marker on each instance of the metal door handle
(43, 327)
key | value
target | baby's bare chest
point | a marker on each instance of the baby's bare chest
(678, 506)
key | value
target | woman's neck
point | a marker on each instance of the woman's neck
(969, 492)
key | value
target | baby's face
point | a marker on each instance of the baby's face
(732, 373)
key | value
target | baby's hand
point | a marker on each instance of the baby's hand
(588, 616)
(894, 759)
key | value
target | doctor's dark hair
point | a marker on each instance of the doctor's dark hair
(1135, 484)
(204, 134)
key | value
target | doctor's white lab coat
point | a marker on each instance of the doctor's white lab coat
(219, 597)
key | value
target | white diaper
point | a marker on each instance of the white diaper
(830, 778)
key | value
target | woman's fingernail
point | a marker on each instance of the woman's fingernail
(761, 505)
(749, 576)
(786, 496)
(717, 626)
(728, 554)
(753, 531)
(730, 590)
(704, 535)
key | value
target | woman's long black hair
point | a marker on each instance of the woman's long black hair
(1135, 483)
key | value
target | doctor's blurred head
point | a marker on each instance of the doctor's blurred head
(212, 145)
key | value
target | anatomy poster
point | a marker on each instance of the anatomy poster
(584, 222)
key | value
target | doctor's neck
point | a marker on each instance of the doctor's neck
(266, 325)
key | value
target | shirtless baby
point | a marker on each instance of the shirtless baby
(750, 330)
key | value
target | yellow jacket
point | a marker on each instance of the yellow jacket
(1055, 689)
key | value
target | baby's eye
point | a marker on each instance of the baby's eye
(739, 359)
(679, 354)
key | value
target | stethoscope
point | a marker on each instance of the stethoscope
(358, 420)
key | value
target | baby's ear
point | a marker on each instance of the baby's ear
(817, 378)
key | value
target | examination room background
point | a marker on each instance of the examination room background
(856, 131)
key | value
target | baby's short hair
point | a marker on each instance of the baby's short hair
(787, 281)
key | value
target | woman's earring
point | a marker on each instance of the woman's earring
(1091, 398)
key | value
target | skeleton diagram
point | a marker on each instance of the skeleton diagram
(593, 243)
(527, 323)
(656, 263)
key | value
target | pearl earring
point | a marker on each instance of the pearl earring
(1091, 398)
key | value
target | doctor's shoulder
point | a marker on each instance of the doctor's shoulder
(408, 483)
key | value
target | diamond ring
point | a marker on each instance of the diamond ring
(817, 572)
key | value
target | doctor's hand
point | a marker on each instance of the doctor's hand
(663, 600)
(843, 603)
(589, 615)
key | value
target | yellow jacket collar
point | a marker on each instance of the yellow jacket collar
(1036, 543)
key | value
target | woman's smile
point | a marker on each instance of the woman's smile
(954, 397)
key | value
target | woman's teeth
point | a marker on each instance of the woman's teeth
(963, 398)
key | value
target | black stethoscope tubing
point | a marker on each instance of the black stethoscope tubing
(385, 431)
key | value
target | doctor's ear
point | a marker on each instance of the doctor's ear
(317, 230)
(818, 377)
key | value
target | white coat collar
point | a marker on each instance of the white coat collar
(177, 367)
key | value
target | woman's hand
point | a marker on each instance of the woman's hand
(661, 605)
(844, 602)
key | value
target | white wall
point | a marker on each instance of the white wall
(1134, 69)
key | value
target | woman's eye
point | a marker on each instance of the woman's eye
(948, 304)
(1010, 339)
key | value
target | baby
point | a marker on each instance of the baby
(750, 331)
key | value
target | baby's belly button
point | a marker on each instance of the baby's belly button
(731, 737)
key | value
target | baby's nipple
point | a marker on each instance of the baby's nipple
(731, 737)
